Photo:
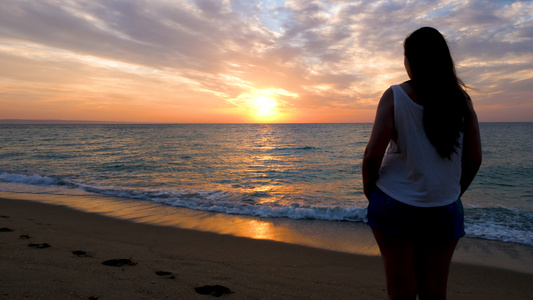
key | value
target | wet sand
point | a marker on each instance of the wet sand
(54, 252)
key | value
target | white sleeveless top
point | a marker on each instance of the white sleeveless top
(412, 171)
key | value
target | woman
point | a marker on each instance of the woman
(423, 153)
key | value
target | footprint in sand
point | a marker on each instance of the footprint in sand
(165, 273)
(119, 262)
(213, 290)
(39, 246)
(81, 253)
(5, 229)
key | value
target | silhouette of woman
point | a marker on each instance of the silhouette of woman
(423, 153)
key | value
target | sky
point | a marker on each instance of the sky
(247, 61)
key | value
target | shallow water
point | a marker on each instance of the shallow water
(297, 171)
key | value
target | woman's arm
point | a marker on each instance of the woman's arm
(471, 159)
(382, 132)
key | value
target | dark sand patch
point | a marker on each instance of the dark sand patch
(39, 246)
(119, 262)
(165, 274)
(213, 290)
(81, 253)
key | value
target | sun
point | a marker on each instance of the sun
(265, 105)
(265, 108)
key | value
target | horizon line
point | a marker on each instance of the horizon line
(81, 122)
(89, 122)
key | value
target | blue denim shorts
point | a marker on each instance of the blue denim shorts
(391, 216)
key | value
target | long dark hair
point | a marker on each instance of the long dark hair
(437, 87)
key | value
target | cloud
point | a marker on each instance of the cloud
(204, 55)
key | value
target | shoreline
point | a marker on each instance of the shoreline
(340, 236)
(250, 268)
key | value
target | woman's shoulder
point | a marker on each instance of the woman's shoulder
(408, 88)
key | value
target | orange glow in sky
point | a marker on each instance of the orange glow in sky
(265, 108)
(264, 61)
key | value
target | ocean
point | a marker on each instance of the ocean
(285, 171)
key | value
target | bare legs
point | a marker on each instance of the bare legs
(415, 266)
(432, 261)
(399, 259)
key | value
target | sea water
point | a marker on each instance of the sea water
(291, 171)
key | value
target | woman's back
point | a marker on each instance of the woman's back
(412, 171)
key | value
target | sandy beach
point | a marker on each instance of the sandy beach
(54, 252)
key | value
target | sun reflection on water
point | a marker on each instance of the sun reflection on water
(259, 230)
